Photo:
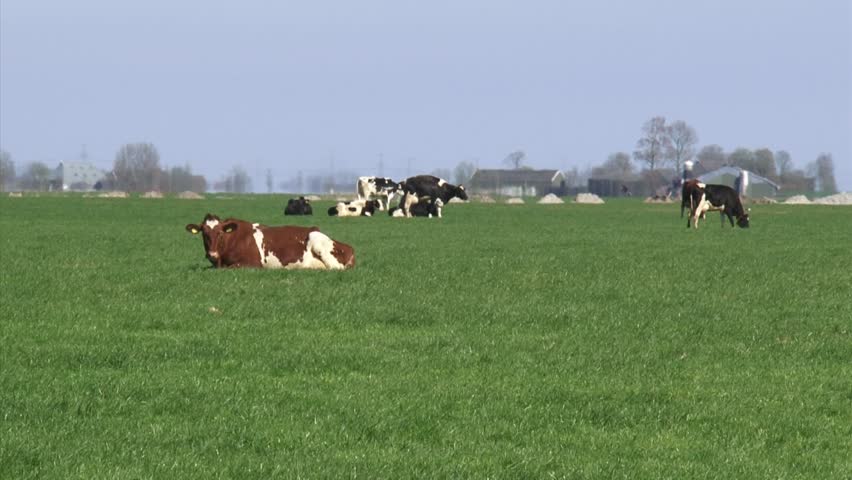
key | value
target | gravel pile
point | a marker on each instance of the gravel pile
(515, 201)
(797, 200)
(550, 199)
(844, 198)
(187, 195)
(115, 194)
(588, 198)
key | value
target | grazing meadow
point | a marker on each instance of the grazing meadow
(502, 341)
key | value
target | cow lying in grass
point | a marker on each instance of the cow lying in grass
(355, 208)
(237, 243)
(425, 209)
(298, 206)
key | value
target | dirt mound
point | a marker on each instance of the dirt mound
(115, 194)
(797, 200)
(515, 201)
(187, 195)
(763, 201)
(550, 199)
(457, 200)
(588, 198)
(16, 194)
(313, 198)
(483, 199)
(844, 198)
(152, 195)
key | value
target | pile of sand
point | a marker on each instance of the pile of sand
(152, 194)
(114, 194)
(844, 198)
(797, 200)
(588, 198)
(763, 201)
(550, 199)
(515, 201)
(659, 199)
(16, 194)
(313, 198)
(482, 199)
(187, 195)
(457, 200)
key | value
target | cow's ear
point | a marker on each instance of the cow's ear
(229, 227)
(193, 229)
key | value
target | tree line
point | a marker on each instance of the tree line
(667, 147)
(662, 150)
(136, 168)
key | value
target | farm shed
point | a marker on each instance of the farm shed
(517, 183)
(745, 182)
(77, 176)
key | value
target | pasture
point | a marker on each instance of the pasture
(502, 341)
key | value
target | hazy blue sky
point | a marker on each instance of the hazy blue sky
(298, 85)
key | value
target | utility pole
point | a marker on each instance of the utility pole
(381, 164)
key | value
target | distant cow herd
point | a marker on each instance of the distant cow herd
(237, 243)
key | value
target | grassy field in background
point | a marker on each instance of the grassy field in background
(531, 341)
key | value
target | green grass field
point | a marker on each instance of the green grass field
(534, 341)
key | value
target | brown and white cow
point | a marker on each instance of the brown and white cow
(237, 243)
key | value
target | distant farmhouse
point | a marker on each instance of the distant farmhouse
(77, 176)
(517, 183)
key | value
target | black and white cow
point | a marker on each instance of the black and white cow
(298, 206)
(707, 197)
(425, 209)
(355, 208)
(379, 188)
(428, 188)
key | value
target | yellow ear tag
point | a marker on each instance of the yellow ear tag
(229, 229)
(194, 231)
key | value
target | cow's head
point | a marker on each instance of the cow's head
(742, 220)
(461, 193)
(216, 235)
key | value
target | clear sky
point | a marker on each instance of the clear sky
(419, 85)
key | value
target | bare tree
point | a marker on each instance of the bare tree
(237, 181)
(743, 158)
(181, 179)
(137, 167)
(463, 172)
(7, 169)
(712, 157)
(783, 163)
(617, 167)
(652, 147)
(36, 176)
(515, 159)
(825, 173)
(682, 142)
(764, 163)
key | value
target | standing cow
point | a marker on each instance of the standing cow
(428, 188)
(237, 243)
(378, 188)
(707, 197)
